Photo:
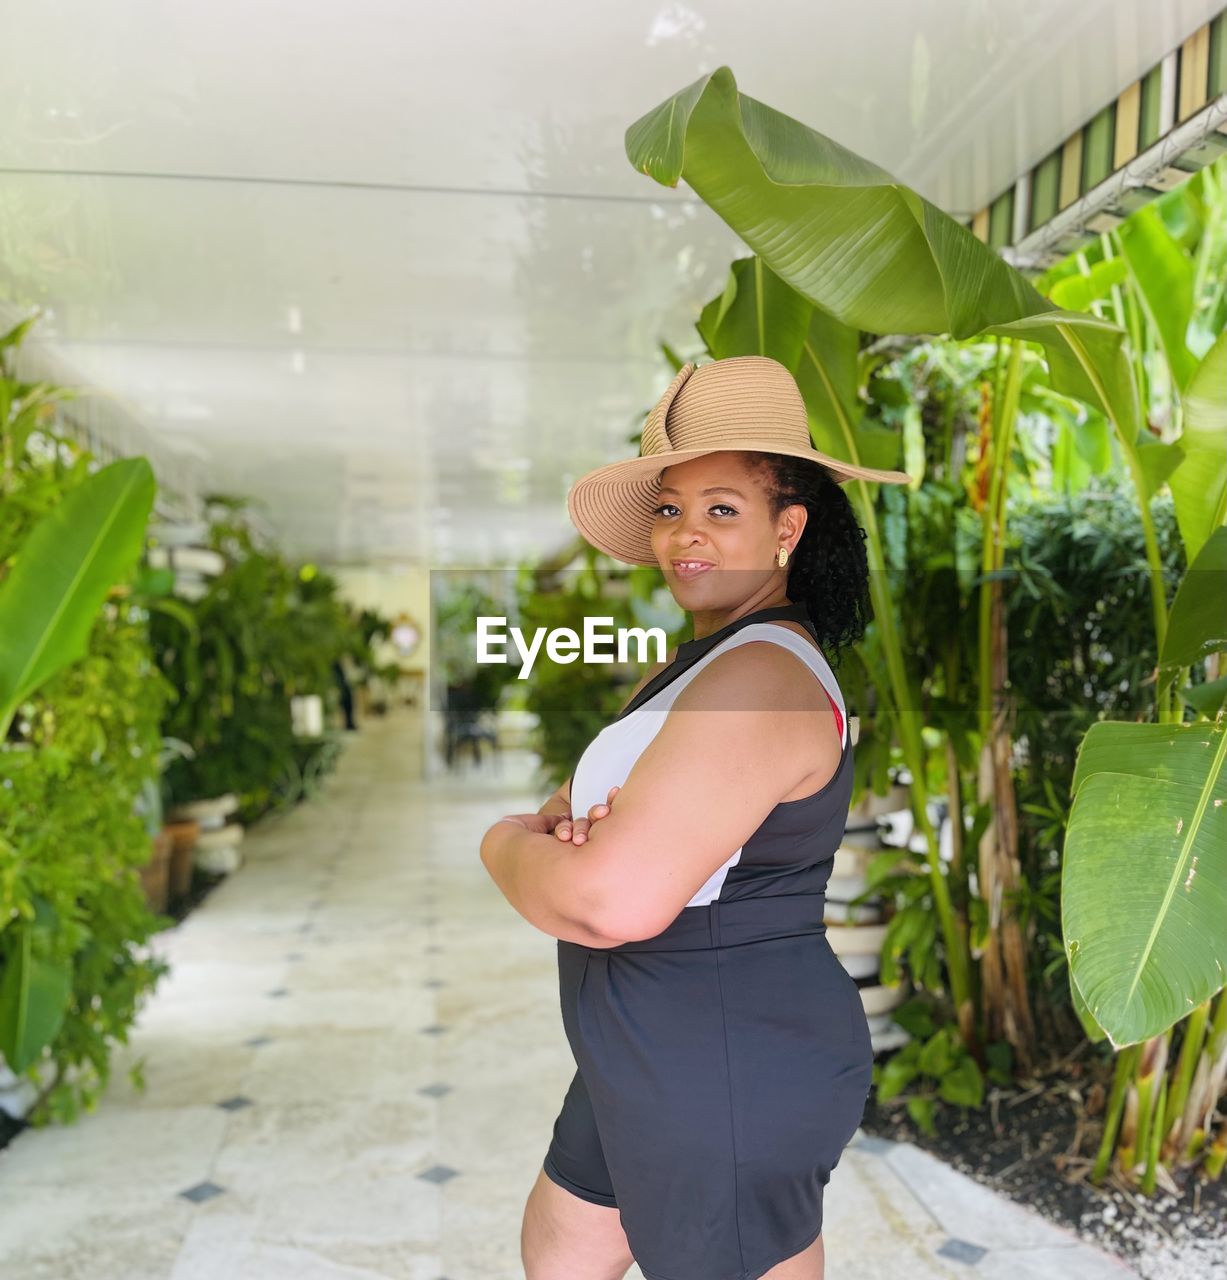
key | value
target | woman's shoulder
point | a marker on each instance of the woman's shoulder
(755, 673)
(648, 676)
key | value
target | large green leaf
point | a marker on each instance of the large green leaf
(1197, 625)
(1077, 292)
(1144, 879)
(62, 573)
(33, 1000)
(1163, 273)
(1094, 1032)
(1158, 461)
(759, 314)
(1199, 483)
(1206, 698)
(863, 247)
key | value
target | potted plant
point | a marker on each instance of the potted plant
(184, 832)
(155, 874)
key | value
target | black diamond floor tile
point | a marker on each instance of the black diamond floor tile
(962, 1251)
(201, 1192)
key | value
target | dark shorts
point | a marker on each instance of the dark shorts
(722, 1068)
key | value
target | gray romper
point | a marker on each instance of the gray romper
(723, 1065)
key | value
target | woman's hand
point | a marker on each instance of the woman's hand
(576, 829)
(562, 825)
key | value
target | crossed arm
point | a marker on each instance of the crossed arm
(727, 752)
(540, 879)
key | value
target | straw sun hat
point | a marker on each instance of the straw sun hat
(742, 402)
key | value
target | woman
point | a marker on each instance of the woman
(723, 1056)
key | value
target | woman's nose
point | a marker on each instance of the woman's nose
(692, 529)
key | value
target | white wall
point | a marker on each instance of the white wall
(390, 592)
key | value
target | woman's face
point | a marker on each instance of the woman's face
(714, 510)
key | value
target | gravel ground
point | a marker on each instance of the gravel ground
(1037, 1144)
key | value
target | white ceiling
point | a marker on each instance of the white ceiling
(386, 266)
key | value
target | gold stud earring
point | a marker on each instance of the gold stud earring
(782, 558)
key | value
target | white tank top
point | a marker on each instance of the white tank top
(610, 756)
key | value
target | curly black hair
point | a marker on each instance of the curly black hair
(828, 570)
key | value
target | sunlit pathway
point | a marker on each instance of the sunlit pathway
(354, 1067)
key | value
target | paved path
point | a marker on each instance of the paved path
(354, 1068)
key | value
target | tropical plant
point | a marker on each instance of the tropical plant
(803, 202)
(80, 703)
(841, 247)
(263, 632)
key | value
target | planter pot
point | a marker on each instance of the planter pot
(184, 835)
(218, 852)
(183, 534)
(881, 1025)
(200, 560)
(856, 939)
(884, 1034)
(874, 806)
(155, 874)
(209, 813)
(863, 835)
(851, 862)
(881, 999)
(860, 966)
(190, 587)
(307, 716)
(195, 562)
(17, 1093)
(845, 888)
(842, 913)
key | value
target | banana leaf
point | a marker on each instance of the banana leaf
(1163, 274)
(1206, 698)
(1144, 877)
(33, 1001)
(759, 314)
(1197, 625)
(62, 572)
(862, 246)
(1199, 483)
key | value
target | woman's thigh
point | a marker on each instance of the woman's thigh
(566, 1238)
(809, 1264)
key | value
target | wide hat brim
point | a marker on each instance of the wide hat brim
(612, 506)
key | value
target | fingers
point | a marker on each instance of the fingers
(576, 829)
(595, 814)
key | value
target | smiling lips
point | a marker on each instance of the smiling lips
(690, 568)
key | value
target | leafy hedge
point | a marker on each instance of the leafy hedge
(74, 966)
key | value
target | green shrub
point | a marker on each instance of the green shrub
(265, 632)
(71, 845)
(74, 965)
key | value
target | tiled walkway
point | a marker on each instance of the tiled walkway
(355, 1065)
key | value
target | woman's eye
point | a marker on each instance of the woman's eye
(719, 506)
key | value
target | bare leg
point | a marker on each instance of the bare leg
(809, 1264)
(566, 1238)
